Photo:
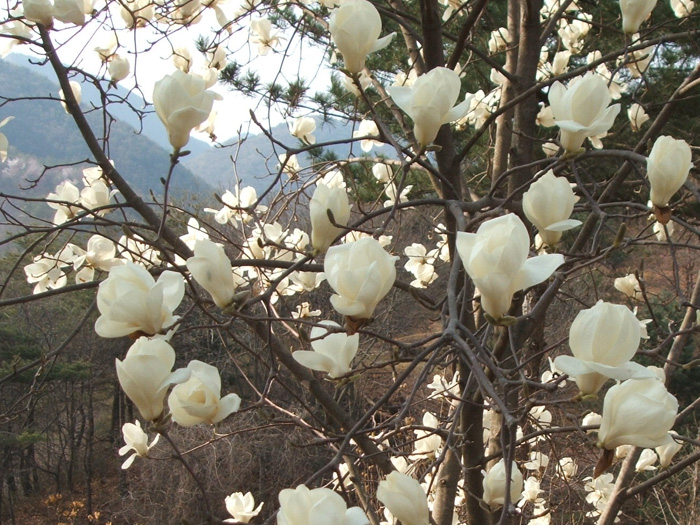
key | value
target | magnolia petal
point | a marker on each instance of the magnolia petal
(563, 226)
(229, 404)
(402, 97)
(314, 360)
(459, 111)
(381, 43)
(538, 269)
(355, 515)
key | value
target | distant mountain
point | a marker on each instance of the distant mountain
(43, 134)
(254, 158)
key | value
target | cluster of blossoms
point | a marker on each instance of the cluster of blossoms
(359, 269)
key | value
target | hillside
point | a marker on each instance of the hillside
(43, 134)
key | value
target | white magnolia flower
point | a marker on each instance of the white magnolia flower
(355, 27)
(131, 301)
(496, 481)
(146, 373)
(496, 259)
(119, 68)
(638, 412)
(198, 400)
(382, 172)
(668, 166)
(100, 255)
(368, 128)
(137, 13)
(302, 128)
(634, 12)
(262, 35)
(567, 468)
(241, 507)
(182, 103)
(647, 460)
(302, 506)
(237, 206)
(332, 353)
(39, 11)
(637, 116)
(548, 204)
(46, 270)
(420, 264)
(499, 40)
(603, 339)
(328, 201)
(404, 497)
(393, 195)
(361, 273)
(582, 109)
(429, 102)
(682, 8)
(667, 451)
(629, 285)
(137, 440)
(134, 249)
(64, 200)
(211, 268)
(428, 442)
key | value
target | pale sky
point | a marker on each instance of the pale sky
(233, 110)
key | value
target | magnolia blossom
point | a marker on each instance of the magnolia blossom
(302, 128)
(548, 204)
(682, 8)
(39, 11)
(496, 483)
(211, 268)
(637, 116)
(198, 400)
(46, 270)
(404, 497)
(77, 91)
(302, 506)
(567, 468)
(634, 12)
(368, 128)
(62, 200)
(241, 507)
(582, 109)
(428, 442)
(361, 273)
(639, 61)
(495, 257)
(661, 229)
(137, 440)
(603, 339)
(261, 34)
(236, 206)
(572, 32)
(4, 144)
(72, 11)
(668, 450)
(429, 102)
(600, 490)
(394, 196)
(327, 201)
(135, 249)
(646, 461)
(333, 352)
(382, 172)
(146, 373)
(100, 255)
(637, 412)
(355, 27)
(182, 102)
(629, 285)
(119, 68)
(499, 40)
(668, 166)
(131, 301)
(421, 264)
(137, 13)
